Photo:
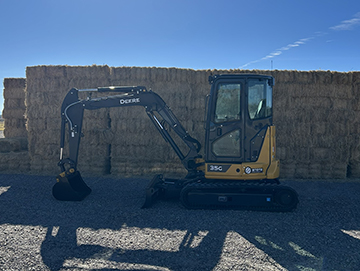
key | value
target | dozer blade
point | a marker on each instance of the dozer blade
(70, 186)
(153, 191)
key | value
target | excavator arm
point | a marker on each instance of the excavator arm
(159, 113)
(70, 185)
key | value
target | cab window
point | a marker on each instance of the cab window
(259, 99)
(227, 106)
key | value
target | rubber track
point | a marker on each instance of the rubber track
(261, 188)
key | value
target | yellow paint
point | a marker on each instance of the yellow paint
(267, 161)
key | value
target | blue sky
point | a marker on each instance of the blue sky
(197, 34)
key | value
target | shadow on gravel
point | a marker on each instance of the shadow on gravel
(109, 230)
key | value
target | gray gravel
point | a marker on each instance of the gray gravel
(109, 230)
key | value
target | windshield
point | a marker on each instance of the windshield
(227, 106)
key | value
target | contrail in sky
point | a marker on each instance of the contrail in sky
(347, 24)
(344, 25)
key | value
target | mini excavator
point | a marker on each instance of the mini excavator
(239, 169)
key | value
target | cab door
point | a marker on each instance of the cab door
(225, 122)
(239, 113)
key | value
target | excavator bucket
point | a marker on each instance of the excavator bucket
(70, 186)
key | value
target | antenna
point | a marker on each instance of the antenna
(271, 64)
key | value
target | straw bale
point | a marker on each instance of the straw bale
(14, 93)
(88, 76)
(14, 103)
(14, 88)
(35, 72)
(96, 119)
(48, 150)
(341, 91)
(323, 77)
(40, 138)
(342, 78)
(356, 98)
(98, 163)
(282, 77)
(309, 90)
(281, 152)
(151, 168)
(94, 170)
(355, 77)
(321, 154)
(119, 75)
(319, 128)
(301, 77)
(337, 170)
(15, 124)
(287, 169)
(302, 171)
(315, 170)
(161, 74)
(14, 83)
(341, 103)
(46, 98)
(93, 71)
(43, 112)
(353, 169)
(13, 144)
(44, 165)
(37, 124)
(14, 162)
(15, 132)
(355, 124)
(13, 113)
(142, 74)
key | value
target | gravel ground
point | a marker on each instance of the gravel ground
(109, 230)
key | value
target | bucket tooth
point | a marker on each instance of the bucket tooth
(70, 186)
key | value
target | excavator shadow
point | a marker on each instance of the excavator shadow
(110, 231)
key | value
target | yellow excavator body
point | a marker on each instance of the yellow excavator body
(266, 167)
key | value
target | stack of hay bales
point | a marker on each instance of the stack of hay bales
(14, 107)
(14, 157)
(316, 114)
(46, 89)
(313, 114)
(137, 147)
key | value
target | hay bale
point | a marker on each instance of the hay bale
(14, 157)
(342, 78)
(323, 77)
(13, 145)
(14, 162)
(14, 88)
(14, 107)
